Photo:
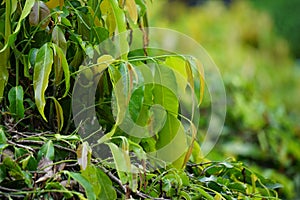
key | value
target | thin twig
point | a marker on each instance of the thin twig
(118, 181)
(21, 146)
(42, 143)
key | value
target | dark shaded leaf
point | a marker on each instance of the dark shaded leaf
(15, 97)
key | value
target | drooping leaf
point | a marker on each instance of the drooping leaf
(3, 140)
(39, 14)
(59, 114)
(172, 142)
(58, 37)
(3, 71)
(42, 69)
(47, 151)
(106, 9)
(131, 8)
(101, 183)
(178, 65)
(121, 161)
(84, 154)
(61, 64)
(107, 191)
(25, 12)
(15, 97)
(84, 183)
(120, 21)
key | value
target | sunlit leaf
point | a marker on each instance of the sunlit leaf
(84, 154)
(121, 161)
(54, 3)
(131, 8)
(106, 9)
(62, 63)
(42, 69)
(15, 97)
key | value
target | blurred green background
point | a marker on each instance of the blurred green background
(256, 45)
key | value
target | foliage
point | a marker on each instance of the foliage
(44, 46)
(286, 20)
(261, 82)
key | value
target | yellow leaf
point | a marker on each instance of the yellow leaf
(54, 3)
(131, 8)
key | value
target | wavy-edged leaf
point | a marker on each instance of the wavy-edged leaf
(62, 63)
(15, 97)
(59, 114)
(42, 69)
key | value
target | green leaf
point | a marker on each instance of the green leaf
(178, 64)
(42, 69)
(2, 172)
(47, 150)
(204, 194)
(121, 25)
(58, 38)
(15, 97)
(185, 195)
(3, 72)
(84, 183)
(107, 191)
(25, 12)
(3, 138)
(237, 187)
(59, 114)
(121, 161)
(60, 61)
(15, 172)
(165, 89)
(102, 185)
